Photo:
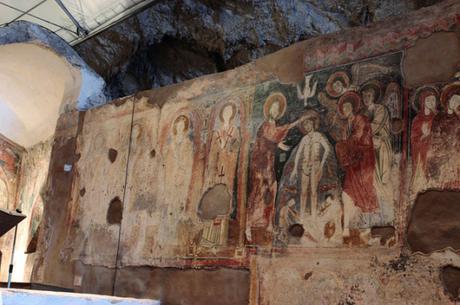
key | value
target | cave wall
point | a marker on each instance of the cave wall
(30, 200)
(291, 179)
(175, 40)
(25, 173)
(10, 163)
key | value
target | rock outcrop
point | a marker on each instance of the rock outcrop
(172, 41)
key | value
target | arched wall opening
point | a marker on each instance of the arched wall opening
(34, 83)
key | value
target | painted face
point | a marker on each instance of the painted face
(275, 110)
(393, 98)
(454, 102)
(368, 97)
(337, 86)
(347, 109)
(430, 103)
(227, 113)
(180, 126)
(308, 125)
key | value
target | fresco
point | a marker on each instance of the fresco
(10, 156)
(92, 230)
(435, 137)
(325, 159)
(9, 166)
(186, 183)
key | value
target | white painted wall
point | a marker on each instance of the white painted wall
(34, 83)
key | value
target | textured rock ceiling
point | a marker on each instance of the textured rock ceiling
(172, 41)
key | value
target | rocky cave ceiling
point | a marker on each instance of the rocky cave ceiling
(172, 41)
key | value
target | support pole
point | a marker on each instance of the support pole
(10, 271)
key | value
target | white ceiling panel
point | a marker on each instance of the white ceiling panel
(51, 12)
(40, 22)
(7, 14)
(22, 5)
(91, 16)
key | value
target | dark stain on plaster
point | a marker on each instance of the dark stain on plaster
(174, 286)
(450, 277)
(385, 233)
(115, 211)
(216, 201)
(296, 230)
(434, 222)
(113, 153)
(399, 264)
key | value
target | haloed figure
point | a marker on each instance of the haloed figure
(443, 162)
(313, 151)
(380, 123)
(179, 161)
(425, 101)
(262, 167)
(224, 148)
(356, 156)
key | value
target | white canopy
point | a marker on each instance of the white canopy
(73, 20)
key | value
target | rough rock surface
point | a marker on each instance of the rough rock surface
(172, 41)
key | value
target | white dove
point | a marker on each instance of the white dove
(307, 91)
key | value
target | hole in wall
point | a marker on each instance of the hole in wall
(450, 277)
(385, 233)
(113, 155)
(115, 211)
(82, 192)
(433, 223)
(153, 153)
(296, 230)
(215, 201)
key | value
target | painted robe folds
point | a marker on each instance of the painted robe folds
(357, 158)
(262, 174)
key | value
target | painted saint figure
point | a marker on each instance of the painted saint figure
(220, 173)
(356, 156)
(425, 102)
(443, 164)
(262, 176)
(380, 119)
(311, 156)
(224, 149)
(178, 161)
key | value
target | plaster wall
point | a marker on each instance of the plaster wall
(292, 177)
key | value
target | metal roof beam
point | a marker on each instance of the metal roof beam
(37, 17)
(80, 30)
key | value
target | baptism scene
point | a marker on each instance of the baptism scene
(228, 152)
(326, 164)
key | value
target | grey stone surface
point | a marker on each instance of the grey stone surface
(175, 40)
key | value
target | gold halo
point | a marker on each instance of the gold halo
(221, 111)
(272, 98)
(340, 76)
(415, 98)
(350, 96)
(447, 92)
(181, 117)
